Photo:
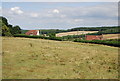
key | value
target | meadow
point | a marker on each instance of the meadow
(111, 36)
(27, 58)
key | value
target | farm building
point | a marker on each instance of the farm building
(32, 32)
(93, 37)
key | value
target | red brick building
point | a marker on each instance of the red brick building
(93, 37)
(32, 32)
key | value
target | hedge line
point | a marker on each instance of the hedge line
(42, 37)
(104, 42)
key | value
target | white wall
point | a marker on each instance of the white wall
(38, 33)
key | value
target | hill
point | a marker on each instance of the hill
(110, 31)
(26, 58)
(93, 28)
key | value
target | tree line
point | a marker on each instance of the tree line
(93, 28)
(7, 29)
(105, 30)
(10, 30)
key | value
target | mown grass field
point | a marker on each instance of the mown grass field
(111, 36)
(25, 58)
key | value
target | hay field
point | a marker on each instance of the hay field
(74, 33)
(111, 36)
(25, 58)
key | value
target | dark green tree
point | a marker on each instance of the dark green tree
(16, 30)
(4, 20)
(7, 29)
(51, 34)
(11, 29)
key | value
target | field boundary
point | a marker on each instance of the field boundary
(102, 42)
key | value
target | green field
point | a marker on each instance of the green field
(25, 58)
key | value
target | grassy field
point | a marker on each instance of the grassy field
(25, 58)
(74, 33)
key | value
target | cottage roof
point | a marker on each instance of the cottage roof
(34, 32)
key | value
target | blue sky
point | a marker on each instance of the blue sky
(60, 15)
(60, 1)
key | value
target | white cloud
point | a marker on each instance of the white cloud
(56, 11)
(63, 16)
(34, 14)
(16, 10)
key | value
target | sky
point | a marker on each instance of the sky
(60, 0)
(60, 15)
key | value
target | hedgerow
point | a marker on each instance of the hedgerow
(42, 37)
(104, 42)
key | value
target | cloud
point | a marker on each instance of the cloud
(34, 14)
(16, 10)
(65, 17)
(56, 11)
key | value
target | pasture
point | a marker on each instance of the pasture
(111, 36)
(25, 58)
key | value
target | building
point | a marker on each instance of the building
(93, 37)
(32, 32)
